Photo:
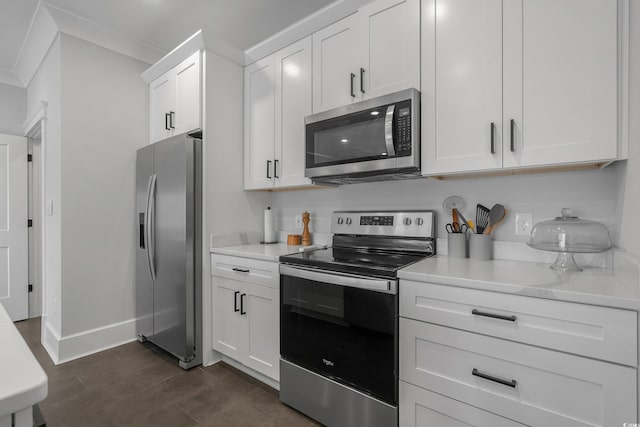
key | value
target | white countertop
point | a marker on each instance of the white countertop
(259, 251)
(592, 286)
(23, 383)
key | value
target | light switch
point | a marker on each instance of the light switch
(49, 208)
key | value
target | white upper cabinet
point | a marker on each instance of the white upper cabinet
(175, 100)
(188, 95)
(518, 83)
(388, 49)
(293, 103)
(371, 53)
(462, 87)
(259, 124)
(277, 99)
(334, 80)
(560, 81)
(162, 94)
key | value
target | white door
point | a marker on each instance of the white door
(389, 47)
(259, 121)
(560, 81)
(461, 85)
(229, 328)
(334, 77)
(161, 103)
(263, 345)
(187, 81)
(293, 103)
(13, 226)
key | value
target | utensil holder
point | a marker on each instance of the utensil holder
(457, 245)
(481, 247)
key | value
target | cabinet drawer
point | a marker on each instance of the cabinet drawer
(422, 408)
(531, 385)
(246, 270)
(598, 332)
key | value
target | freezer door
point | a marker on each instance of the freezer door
(144, 282)
(173, 235)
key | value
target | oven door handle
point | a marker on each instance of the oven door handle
(341, 279)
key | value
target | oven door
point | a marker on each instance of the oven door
(341, 326)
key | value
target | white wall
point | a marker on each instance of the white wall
(104, 122)
(592, 195)
(45, 86)
(628, 208)
(13, 107)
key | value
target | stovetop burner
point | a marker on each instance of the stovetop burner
(373, 244)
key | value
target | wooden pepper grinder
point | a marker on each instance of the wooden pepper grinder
(306, 236)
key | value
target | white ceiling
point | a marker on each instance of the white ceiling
(163, 24)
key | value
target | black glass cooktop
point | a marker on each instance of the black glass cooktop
(355, 261)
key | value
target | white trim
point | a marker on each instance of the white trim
(65, 349)
(175, 57)
(9, 78)
(623, 79)
(301, 29)
(85, 29)
(30, 126)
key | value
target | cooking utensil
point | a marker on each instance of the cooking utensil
(490, 229)
(472, 226)
(482, 218)
(457, 228)
(464, 220)
(453, 202)
(568, 234)
(496, 214)
(454, 214)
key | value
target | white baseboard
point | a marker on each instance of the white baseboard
(255, 374)
(67, 348)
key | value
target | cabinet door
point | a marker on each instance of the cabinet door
(462, 85)
(259, 133)
(263, 345)
(388, 47)
(560, 81)
(229, 326)
(334, 48)
(293, 103)
(188, 95)
(161, 103)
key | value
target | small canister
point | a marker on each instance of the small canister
(481, 247)
(457, 245)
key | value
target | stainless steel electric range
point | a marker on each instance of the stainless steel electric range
(339, 317)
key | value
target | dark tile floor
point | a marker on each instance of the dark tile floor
(139, 385)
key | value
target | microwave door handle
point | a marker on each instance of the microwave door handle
(388, 131)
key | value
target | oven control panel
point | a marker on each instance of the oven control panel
(384, 223)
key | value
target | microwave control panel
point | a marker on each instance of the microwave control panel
(403, 130)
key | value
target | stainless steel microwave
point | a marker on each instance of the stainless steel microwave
(376, 139)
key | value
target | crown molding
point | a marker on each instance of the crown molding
(173, 58)
(9, 78)
(49, 20)
(301, 29)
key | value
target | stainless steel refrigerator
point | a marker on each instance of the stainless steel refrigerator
(168, 255)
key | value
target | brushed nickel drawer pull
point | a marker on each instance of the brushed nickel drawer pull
(508, 383)
(493, 315)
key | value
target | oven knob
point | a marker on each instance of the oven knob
(407, 221)
(340, 220)
(348, 221)
(419, 221)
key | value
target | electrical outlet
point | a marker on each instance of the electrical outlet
(298, 222)
(524, 223)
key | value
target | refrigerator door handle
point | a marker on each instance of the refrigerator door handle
(151, 225)
(146, 224)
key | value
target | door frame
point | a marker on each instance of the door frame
(36, 128)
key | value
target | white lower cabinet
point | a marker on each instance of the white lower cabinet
(451, 376)
(246, 320)
(420, 407)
